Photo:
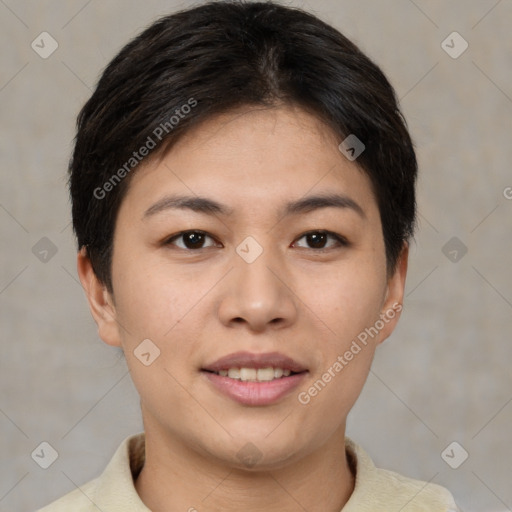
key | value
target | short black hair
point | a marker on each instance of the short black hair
(217, 57)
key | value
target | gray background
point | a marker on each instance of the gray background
(443, 376)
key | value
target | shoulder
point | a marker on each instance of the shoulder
(77, 500)
(114, 489)
(413, 495)
(380, 489)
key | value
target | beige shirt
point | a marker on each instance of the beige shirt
(376, 490)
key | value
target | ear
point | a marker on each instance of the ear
(101, 302)
(393, 301)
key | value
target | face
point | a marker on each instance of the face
(223, 260)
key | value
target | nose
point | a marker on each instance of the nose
(258, 295)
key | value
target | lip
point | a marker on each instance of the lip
(255, 393)
(251, 360)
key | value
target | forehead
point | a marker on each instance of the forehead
(252, 158)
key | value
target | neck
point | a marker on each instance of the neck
(177, 477)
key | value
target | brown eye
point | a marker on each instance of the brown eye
(318, 239)
(191, 240)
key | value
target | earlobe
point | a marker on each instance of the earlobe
(100, 300)
(393, 302)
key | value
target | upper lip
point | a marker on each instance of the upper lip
(251, 360)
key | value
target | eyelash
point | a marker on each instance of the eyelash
(342, 241)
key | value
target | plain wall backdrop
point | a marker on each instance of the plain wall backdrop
(444, 376)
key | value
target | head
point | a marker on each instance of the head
(192, 181)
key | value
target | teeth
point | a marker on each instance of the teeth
(265, 374)
(234, 373)
(254, 375)
(248, 374)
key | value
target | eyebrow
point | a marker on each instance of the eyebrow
(310, 203)
(211, 207)
(195, 203)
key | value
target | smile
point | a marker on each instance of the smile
(255, 379)
(255, 375)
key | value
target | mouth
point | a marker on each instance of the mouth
(255, 379)
(246, 374)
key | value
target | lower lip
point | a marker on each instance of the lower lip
(255, 393)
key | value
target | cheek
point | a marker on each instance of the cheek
(157, 303)
(155, 311)
(346, 303)
(328, 399)
(347, 299)
(148, 295)
(345, 356)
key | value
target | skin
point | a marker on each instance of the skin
(197, 305)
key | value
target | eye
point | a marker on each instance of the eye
(318, 239)
(192, 240)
